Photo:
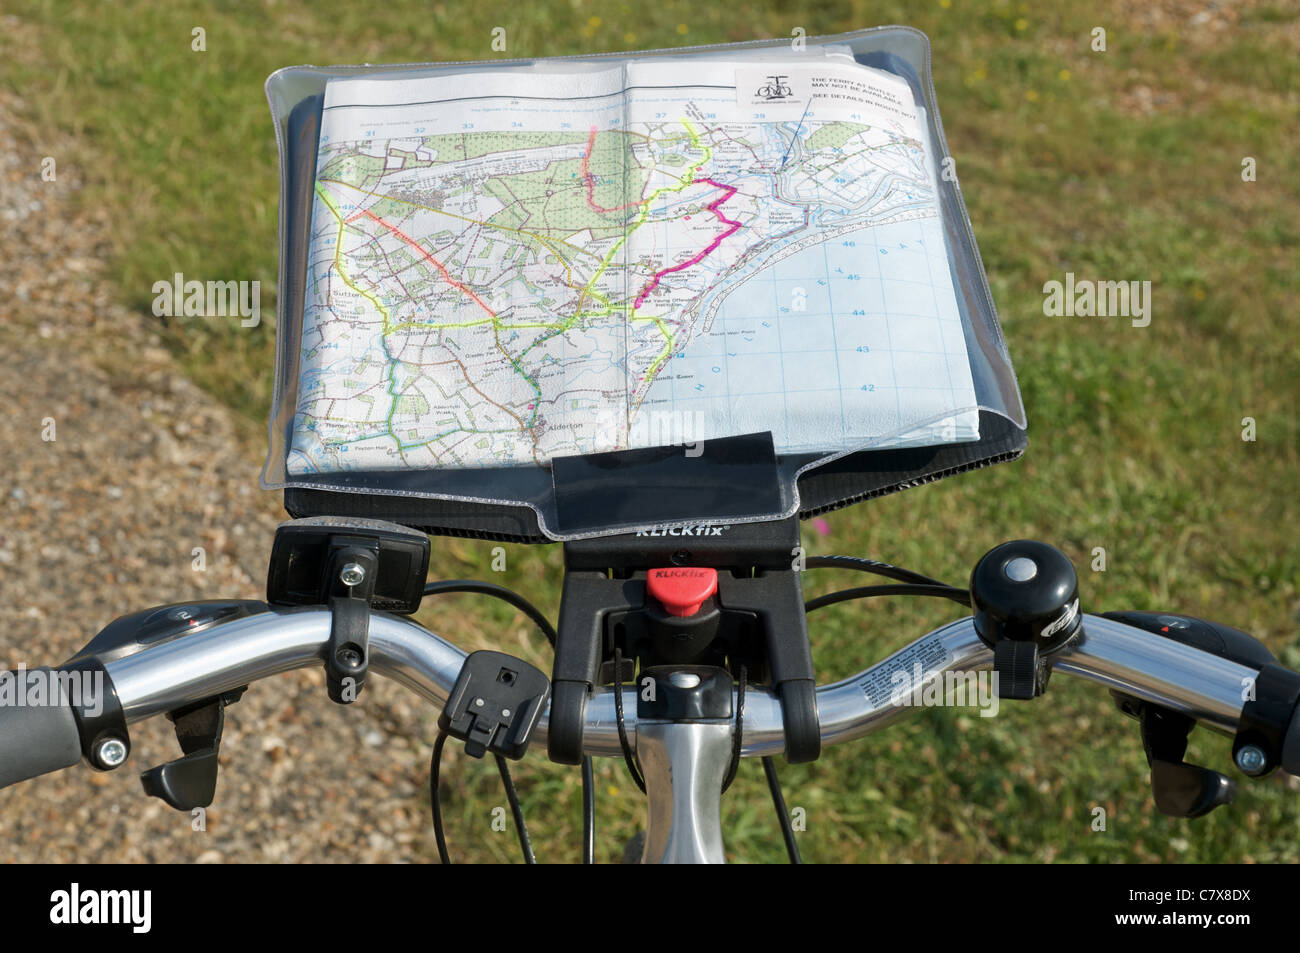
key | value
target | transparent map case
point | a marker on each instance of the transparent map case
(553, 299)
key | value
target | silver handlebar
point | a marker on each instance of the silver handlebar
(1139, 663)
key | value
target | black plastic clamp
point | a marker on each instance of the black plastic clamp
(756, 618)
(353, 569)
(495, 704)
(1272, 702)
(101, 723)
(353, 566)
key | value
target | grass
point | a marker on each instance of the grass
(1117, 165)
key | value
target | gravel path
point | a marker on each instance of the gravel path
(103, 520)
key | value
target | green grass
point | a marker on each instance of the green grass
(1117, 165)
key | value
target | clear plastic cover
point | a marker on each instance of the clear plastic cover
(489, 267)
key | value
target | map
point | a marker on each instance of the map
(509, 266)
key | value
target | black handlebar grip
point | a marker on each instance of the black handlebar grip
(37, 738)
(1291, 746)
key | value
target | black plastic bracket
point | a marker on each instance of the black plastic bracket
(756, 618)
(1266, 717)
(1021, 669)
(353, 569)
(353, 566)
(97, 711)
(190, 781)
(495, 704)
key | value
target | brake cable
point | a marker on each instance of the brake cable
(782, 812)
(737, 736)
(633, 765)
(512, 797)
(873, 566)
(939, 590)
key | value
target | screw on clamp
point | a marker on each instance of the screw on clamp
(110, 752)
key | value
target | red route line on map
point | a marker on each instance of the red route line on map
(712, 207)
(437, 264)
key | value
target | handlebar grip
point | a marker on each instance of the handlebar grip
(38, 738)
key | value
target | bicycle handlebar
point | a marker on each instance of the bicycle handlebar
(171, 675)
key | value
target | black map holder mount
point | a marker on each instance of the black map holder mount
(353, 566)
(754, 618)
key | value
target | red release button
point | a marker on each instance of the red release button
(682, 589)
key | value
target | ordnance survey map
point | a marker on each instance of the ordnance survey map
(509, 265)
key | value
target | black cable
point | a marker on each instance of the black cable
(497, 592)
(435, 768)
(909, 589)
(633, 768)
(478, 587)
(588, 811)
(512, 796)
(782, 813)
(737, 737)
(874, 566)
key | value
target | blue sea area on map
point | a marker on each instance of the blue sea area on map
(834, 347)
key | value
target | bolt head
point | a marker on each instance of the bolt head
(352, 574)
(110, 752)
(1251, 760)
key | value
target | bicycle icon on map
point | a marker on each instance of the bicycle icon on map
(775, 89)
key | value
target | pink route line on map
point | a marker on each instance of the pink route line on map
(591, 182)
(712, 207)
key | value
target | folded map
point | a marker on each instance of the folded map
(512, 264)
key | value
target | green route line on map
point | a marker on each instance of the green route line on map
(555, 328)
(469, 292)
(338, 250)
(392, 363)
